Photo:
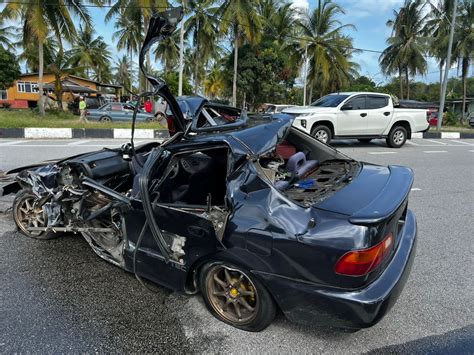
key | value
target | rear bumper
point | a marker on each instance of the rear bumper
(318, 305)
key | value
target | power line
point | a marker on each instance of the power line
(90, 5)
(288, 36)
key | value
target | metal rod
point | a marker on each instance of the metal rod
(446, 70)
(70, 229)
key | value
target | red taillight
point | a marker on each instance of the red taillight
(361, 262)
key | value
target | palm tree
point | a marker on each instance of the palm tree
(60, 66)
(6, 33)
(30, 54)
(88, 52)
(167, 51)
(215, 82)
(41, 17)
(202, 25)
(244, 21)
(327, 47)
(437, 27)
(407, 45)
(281, 22)
(129, 33)
(464, 45)
(138, 12)
(124, 74)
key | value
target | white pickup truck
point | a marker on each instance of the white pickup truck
(359, 115)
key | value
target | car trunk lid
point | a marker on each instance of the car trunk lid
(374, 195)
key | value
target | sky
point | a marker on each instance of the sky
(368, 16)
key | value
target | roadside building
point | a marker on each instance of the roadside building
(24, 92)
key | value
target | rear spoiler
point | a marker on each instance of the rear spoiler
(389, 200)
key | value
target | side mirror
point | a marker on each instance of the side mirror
(346, 107)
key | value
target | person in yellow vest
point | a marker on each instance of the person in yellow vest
(82, 110)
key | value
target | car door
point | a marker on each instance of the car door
(379, 114)
(175, 235)
(116, 112)
(352, 117)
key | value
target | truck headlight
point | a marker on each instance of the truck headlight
(303, 123)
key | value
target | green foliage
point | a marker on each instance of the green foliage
(172, 80)
(9, 69)
(362, 83)
(451, 119)
(263, 74)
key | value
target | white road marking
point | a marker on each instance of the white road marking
(13, 142)
(79, 142)
(380, 153)
(461, 142)
(435, 151)
(472, 151)
(411, 143)
(433, 141)
(415, 189)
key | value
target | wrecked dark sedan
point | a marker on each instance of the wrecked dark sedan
(254, 214)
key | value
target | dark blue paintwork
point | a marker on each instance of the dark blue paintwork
(291, 248)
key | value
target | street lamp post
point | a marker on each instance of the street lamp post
(305, 73)
(446, 70)
(181, 55)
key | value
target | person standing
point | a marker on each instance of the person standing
(82, 110)
(148, 105)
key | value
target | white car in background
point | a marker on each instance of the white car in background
(359, 115)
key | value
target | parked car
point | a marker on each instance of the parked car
(359, 115)
(116, 111)
(471, 120)
(256, 215)
(272, 108)
(91, 102)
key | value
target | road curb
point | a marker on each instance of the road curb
(75, 133)
(123, 133)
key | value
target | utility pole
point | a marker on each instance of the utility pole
(181, 53)
(446, 70)
(305, 73)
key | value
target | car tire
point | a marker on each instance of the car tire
(397, 137)
(322, 133)
(105, 119)
(236, 297)
(365, 140)
(26, 214)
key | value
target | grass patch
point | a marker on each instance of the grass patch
(59, 119)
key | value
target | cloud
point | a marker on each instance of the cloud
(366, 8)
(301, 4)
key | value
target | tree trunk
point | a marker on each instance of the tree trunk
(59, 92)
(400, 82)
(310, 92)
(465, 68)
(40, 78)
(408, 83)
(440, 78)
(196, 68)
(236, 58)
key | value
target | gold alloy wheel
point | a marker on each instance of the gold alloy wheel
(28, 214)
(232, 294)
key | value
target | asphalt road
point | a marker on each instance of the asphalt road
(58, 296)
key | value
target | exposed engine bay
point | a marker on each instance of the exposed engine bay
(90, 194)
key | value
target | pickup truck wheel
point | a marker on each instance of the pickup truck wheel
(364, 140)
(397, 137)
(322, 133)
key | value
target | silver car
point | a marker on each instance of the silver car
(116, 111)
